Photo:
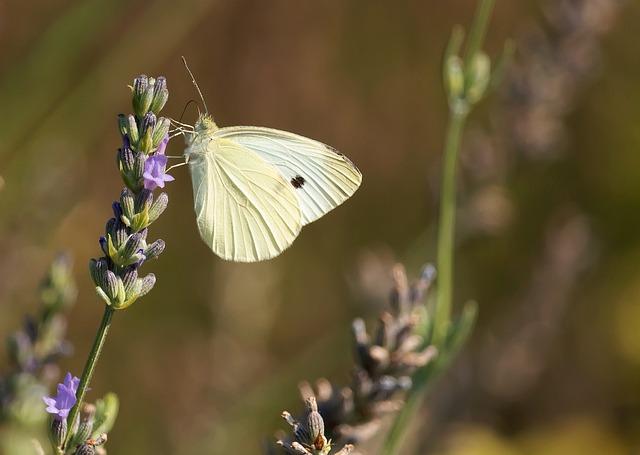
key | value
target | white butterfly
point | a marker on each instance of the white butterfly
(254, 188)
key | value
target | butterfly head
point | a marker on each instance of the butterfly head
(204, 128)
(205, 125)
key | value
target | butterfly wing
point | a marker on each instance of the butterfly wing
(322, 178)
(245, 210)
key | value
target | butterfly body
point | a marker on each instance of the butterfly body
(254, 188)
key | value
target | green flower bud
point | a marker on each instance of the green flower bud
(97, 269)
(454, 77)
(142, 94)
(147, 284)
(160, 95)
(85, 427)
(138, 166)
(123, 124)
(127, 202)
(132, 131)
(106, 413)
(160, 131)
(154, 250)
(158, 206)
(111, 285)
(58, 431)
(85, 449)
(132, 246)
(478, 78)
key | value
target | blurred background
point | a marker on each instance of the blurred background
(549, 220)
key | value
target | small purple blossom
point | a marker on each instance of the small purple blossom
(61, 404)
(163, 145)
(154, 171)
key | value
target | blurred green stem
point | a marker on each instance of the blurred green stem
(89, 367)
(478, 31)
(446, 227)
(458, 111)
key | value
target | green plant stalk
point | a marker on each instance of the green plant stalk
(447, 221)
(89, 368)
(478, 31)
(458, 112)
(423, 378)
(446, 227)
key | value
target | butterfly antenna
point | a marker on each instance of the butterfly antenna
(185, 108)
(193, 79)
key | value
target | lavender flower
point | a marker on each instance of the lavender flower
(163, 145)
(154, 171)
(61, 404)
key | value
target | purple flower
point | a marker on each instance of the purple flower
(154, 172)
(163, 145)
(61, 404)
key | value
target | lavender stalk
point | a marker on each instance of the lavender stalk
(141, 163)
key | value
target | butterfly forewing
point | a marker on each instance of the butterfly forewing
(321, 177)
(246, 211)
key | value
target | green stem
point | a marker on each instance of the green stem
(458, 111)
(446, 227)
(442, 316)
(478, 31)
(89, 367)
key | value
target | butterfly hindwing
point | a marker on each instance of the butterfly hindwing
(246, 211)
(321, 177)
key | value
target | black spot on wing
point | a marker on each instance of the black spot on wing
(298, 181)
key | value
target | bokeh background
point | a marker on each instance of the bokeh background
(549, 231)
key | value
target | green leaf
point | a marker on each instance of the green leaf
(106, 413)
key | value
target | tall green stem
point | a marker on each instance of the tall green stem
(446, 227)
(478, 31)
(89, 367)
(458, 111)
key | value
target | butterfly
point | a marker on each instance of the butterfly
(254, 188)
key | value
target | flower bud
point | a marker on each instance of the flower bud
(454, 77)
(478, 77)
(138, 167)
(148, 123)
(117, 210)
(103, 245)
(158, 206)
(85, 449)
(58, 431)
(147, 284)
(133, 245)
(154, 250)
(142, 94)
(129, 279)
(144, 200)
(160, 95)
(85, 427)
(97, 269)
(123, 125)
(116, 231)
(315, 425)
(160, 131)
(126, 159)
(132, 131)
(127, 202)
(110, 285)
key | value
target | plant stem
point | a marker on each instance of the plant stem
(458, 112)
(89, 367)
(446, 227)
(442, 316)
(478, 31)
